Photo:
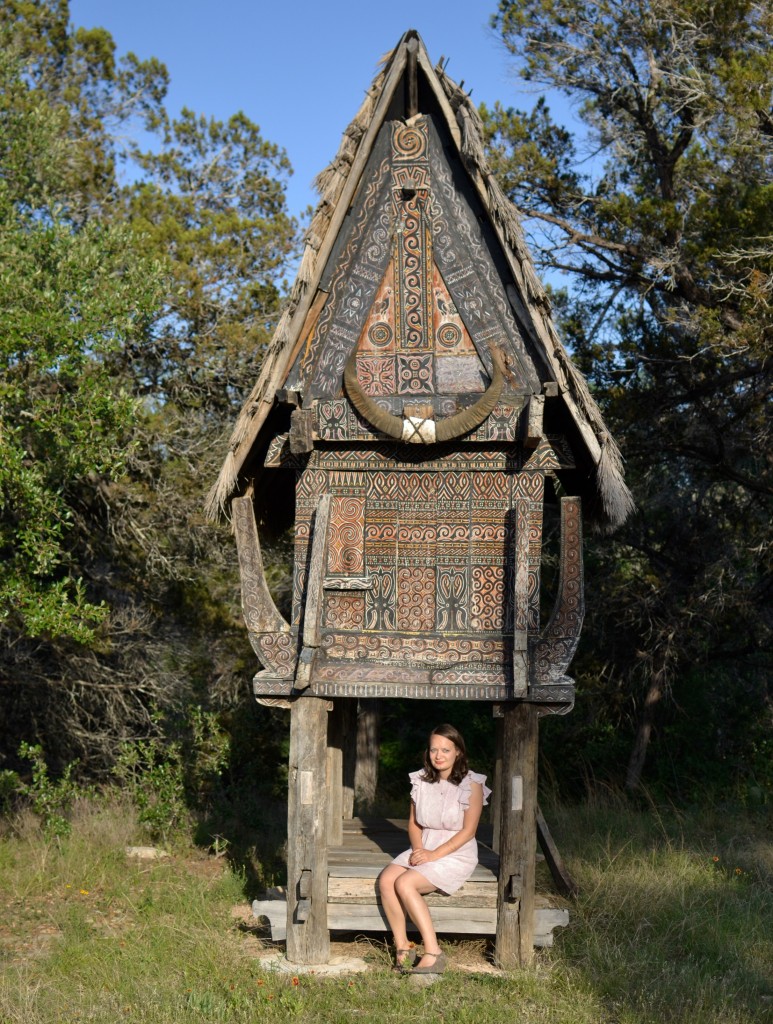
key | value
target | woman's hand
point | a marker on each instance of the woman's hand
(422, 856)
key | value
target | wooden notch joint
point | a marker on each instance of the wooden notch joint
(513, 889)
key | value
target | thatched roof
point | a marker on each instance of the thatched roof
(610, 498)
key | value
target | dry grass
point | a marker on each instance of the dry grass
(672, 925)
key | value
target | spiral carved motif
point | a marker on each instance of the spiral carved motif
(409, 142)
(416, 599)
(278, 652)
(345, 611)
(347, 523)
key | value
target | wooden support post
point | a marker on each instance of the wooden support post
(335, 765)
(349, 713)
(518, 837)
(366, 769)
(496, 795)
(308, 940)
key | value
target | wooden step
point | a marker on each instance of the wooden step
(448, 920)
(363, 890)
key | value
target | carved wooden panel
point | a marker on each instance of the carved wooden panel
(422, 565)
(427, 579)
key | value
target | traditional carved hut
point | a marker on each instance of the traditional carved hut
(414, 414)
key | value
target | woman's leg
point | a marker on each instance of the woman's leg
(390, 901)
(410, 888)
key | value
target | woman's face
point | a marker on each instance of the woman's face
(442, 753)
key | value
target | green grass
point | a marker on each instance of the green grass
(662, 932)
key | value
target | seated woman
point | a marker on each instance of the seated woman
(446, 804)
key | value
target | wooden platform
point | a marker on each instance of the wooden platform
(352, 898)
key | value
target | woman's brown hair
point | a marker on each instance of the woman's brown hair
(460, 768)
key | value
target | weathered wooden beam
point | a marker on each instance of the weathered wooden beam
(301, 431)
(335, 765)
(521, 598)
(411, 80)
(317, 564)
(366, 769)
(496, 795)
(349, 714)
(564, 882)
(518, 837)
(534, 417)
(308, 940)
(312, 614)
(447, 918)
(553, 651)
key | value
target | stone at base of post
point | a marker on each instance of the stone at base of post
(517, 837)
(308, 939)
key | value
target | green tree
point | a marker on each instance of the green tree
(199, 225)
(70, 297)
(661, 215)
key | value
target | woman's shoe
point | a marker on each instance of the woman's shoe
(404, 960)
(437, 966)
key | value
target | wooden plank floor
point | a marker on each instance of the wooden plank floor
(370, 843)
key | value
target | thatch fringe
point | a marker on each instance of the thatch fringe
(223, 488)
(618, 502)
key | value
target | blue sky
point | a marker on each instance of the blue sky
(299, 69)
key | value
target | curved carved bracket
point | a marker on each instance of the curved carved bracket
(552, 653)
(268, 632)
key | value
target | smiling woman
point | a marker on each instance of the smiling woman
(446, 803)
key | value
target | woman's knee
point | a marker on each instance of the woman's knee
(387, 879)
(407, 882)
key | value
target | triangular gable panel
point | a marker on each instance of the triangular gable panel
(471, 302)
(416, 288)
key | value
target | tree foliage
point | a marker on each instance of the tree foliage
(70, 297)
(661, 215)
(140, 286)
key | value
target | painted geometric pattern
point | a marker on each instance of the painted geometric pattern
(416, 599)
(489, 598)
(383, 456)
(424, 350)
(413, 339)
(439, 551)
(458, 368)
(336, 420)
(415, 274)
(413, 251)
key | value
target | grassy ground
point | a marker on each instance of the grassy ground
(674, 923)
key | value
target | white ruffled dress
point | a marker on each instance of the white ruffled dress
(439, 811)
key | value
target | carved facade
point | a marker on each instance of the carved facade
(420, 458)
